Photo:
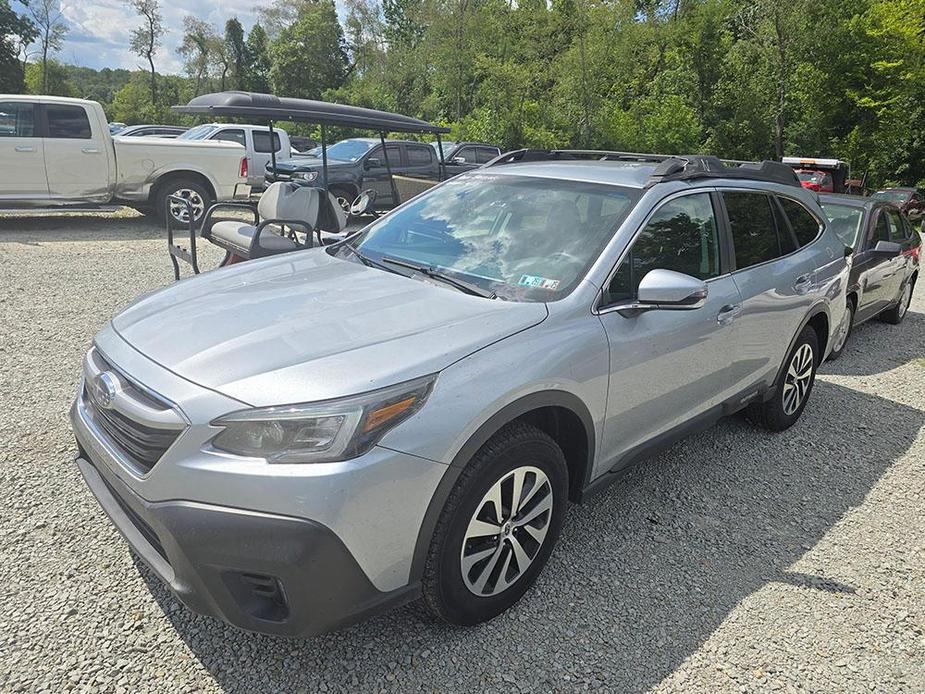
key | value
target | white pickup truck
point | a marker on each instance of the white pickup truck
(57, 152)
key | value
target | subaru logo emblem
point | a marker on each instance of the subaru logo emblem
(105, 387)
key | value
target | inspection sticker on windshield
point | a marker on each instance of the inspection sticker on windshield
(538, 282)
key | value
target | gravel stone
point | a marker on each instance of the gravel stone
(737, 561)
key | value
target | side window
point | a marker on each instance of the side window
(681, 236)
(17, 119)
(754, 232)
(467, 153)
(262, 141)
(785, 235)
(420, 156)
(484, 155)
(230, 136)
(805, 226)
(881, 231)
(897, 231)
(67, 122)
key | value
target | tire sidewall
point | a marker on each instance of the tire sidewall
(169, 188)
(458, 603)
(807, 336)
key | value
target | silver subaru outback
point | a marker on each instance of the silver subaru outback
(295, 443)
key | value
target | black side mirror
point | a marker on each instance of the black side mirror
(372, 162)
(849, 251)
(887, 248)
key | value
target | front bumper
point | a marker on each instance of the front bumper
(262, 572)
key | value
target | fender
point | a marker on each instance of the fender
(817, 308)
(507, 414)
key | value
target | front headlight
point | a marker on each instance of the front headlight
(321, 432)
(308, 176)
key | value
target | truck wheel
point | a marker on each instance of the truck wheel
(498, 527)
(178, 215)
(344, 197)
(793, 387)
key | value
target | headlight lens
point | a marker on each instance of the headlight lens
(305, 175)
(321, 432)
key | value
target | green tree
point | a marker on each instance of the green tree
(196, 48)
(309, 56)
(16, 32)
(236, 50)
(51, 28)
(54, 80)
(258, 67)
(146, 39)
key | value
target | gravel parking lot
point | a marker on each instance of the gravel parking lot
(737, 561)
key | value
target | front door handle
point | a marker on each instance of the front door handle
(90, 150)
(728, 313)
(803, 284)
(25, 148)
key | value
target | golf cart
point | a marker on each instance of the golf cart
(289, 215)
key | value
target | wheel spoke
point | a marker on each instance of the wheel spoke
(480, 528)
(519, 476)
(543, 505)
(520, 554)
(470, 560)
(501, 583)
(485, 574)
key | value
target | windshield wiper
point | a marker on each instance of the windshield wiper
(434, 273)
(369, 262)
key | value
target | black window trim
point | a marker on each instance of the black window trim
(725, 269)
(734, 269)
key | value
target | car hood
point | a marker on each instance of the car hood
(306, 326)
(306, 164)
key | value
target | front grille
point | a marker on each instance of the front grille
(144, 444)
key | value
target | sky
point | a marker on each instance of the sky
(100, 30)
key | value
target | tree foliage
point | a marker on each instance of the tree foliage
(16, 32)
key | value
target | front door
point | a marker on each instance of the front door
(669, 366)
(22, 158)
(76, 161)
(376, 174)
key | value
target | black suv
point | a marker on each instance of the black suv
(358, 164)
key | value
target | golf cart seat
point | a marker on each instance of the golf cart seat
(282, 205)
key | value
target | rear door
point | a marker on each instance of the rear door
(420, 162)
(22, 156)
(774, 276)
(76, 160)
(261, 152)
(876, 278)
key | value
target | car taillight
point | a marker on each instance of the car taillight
(243, 172)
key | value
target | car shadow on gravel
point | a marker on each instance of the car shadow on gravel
(38, 229)
(875, 347)
(643, 575)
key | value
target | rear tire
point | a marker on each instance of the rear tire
(499, 568)
(895, 315)
(191, 189)
(793, 388)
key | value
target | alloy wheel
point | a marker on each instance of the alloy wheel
(798, 379)
(506, 531)
(180, 212)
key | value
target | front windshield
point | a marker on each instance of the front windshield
(524, 238)
(845, 221)
(898, 196)
(348, 150)
(200, 132)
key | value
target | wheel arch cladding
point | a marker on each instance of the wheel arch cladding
(561, 415)
(819, 322)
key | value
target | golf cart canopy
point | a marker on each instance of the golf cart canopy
(270, 107)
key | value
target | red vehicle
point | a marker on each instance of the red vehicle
(820, 175)
(910, 200)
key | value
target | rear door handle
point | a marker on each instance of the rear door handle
(90, 150)
(728, 313)
(25, 148)
(803, 284)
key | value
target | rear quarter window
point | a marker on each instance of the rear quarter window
(805, 226)
(753, 228)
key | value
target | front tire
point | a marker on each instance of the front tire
(840, 340)
(498, 527)
(793, 387)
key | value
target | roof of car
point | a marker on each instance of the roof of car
(852, 200)
(621, 173)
